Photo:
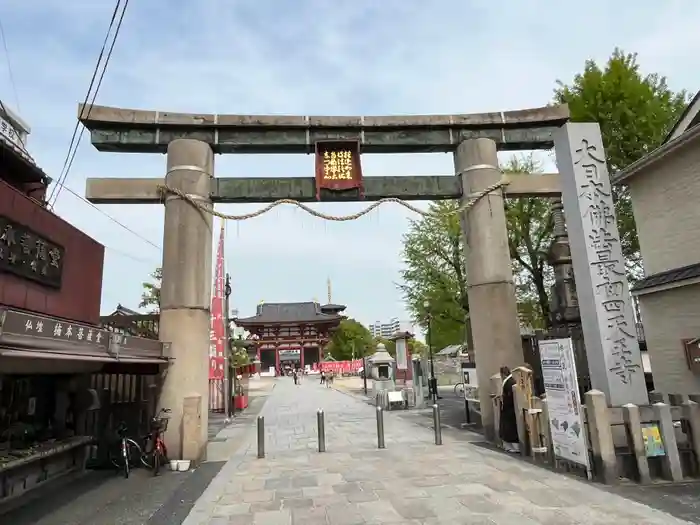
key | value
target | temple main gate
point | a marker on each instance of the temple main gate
(189, 190)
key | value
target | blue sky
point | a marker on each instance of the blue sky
(306, 57)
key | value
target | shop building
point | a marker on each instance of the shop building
(65, 380)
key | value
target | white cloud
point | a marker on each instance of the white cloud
(306, 57)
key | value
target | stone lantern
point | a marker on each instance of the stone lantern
(382, 369)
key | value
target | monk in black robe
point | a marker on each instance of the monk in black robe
(508, 426)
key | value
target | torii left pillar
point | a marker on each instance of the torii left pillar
(185, 297)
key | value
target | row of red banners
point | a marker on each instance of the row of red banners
(340, 367)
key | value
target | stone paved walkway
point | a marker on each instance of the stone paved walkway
(412, 481)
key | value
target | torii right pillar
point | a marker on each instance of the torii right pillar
(492, 304)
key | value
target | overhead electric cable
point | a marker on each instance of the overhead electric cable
(115, 221)
(9, 65)
(87, 108)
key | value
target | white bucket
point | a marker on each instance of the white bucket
(183, 465)
(173, 465)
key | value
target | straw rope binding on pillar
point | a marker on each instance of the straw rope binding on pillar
(167, 192)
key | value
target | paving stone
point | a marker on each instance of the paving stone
(231, 510)
(344, 515)
(309, 517)
(379, 512)
(347, 488)
(322, 490)
(415, 509)
(258, 496)
(297, 503)
(253, 484)
(359, 497)
(263, 506)
(479, 503)
(277, 483)
(288, 493)
(304, 481)
(274, 517)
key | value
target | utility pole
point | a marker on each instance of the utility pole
(228, 390)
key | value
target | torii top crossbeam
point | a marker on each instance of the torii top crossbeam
(139, 131)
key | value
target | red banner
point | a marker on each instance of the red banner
(217, 334)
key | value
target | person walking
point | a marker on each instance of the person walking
(295, 376)
(508, 425)
(323, 377)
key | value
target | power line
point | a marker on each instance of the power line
(115, 221)
(9, 65)
(75, 144)
(3, 111)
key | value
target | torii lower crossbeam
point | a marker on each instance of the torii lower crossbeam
(303, 189)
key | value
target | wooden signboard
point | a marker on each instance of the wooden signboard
(692, 354)
(338, 167)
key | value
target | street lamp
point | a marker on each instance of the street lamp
(433, 382)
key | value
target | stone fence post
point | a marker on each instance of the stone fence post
(691, 414)
(635, 439)
(546, 431)
(671, 461)
(598, 418)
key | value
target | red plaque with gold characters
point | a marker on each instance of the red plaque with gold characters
(338, 167)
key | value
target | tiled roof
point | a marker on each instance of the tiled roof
(276, 313)
(332, 306)
(692, 271)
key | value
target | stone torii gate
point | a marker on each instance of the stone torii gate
(191, 140)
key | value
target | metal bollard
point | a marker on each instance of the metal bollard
(380, 428)
(261, 436)
(321, 431)
(437, 425)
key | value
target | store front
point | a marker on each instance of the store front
(64, 386)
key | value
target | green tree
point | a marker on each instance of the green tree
(350, 339)
(434, 272)
(150, 298)
(415, 347)
(238, 351)
(530, 226)
(434, 264)
(635, 113)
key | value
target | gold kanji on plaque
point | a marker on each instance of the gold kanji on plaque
(337, 165)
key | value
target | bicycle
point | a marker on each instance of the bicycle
(155, 453)
(126, 453)
(459, 389)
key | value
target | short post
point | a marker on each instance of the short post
(380, 427)
(261, 436)
(436, 423)
(635, 440)
(321, 431)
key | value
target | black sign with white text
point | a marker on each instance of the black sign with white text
(29, 255)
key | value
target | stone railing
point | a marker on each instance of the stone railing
(645, 444)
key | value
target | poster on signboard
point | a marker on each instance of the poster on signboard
(563, 401)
